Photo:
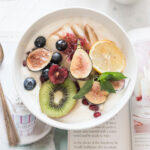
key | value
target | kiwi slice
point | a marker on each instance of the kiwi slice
(57, 100)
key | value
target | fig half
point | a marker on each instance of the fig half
(95, 95)
(38, 59)
(118, 85)
(81, 65)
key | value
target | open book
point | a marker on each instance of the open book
(130, 128)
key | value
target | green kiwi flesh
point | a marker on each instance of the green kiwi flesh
(56, 100)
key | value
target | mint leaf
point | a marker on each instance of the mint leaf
(85, 89)
(114, 76)
(107, 86)
(105, 79)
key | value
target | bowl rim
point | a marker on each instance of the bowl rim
(90, 123)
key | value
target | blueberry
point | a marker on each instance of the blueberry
(61, 45)
(29, 83)
(56, 58)
(45, 74)
(40, 41)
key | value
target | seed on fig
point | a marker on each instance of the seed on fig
(57, 74)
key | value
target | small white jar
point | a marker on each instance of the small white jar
(23, 119)
(126, 1)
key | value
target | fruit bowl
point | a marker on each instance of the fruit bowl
(48, 24)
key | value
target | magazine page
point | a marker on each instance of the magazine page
(140, 125)
(112, 135)
(140, 104)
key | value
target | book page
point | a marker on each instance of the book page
(140, 106)
(112, 135)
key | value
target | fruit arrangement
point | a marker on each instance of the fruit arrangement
(74, 64)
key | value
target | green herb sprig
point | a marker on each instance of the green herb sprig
(105, 83)
(106, 78)
(85, 89)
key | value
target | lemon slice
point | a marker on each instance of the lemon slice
(107, 57)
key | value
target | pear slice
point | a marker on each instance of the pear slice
(51, 42)
(90, 33)
(79, 32)
(57, 35)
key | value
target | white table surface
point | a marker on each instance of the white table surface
(18, 15)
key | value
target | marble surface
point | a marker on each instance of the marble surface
(18, 15)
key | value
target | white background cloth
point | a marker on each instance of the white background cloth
(17, 15)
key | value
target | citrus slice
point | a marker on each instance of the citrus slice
(107, 57)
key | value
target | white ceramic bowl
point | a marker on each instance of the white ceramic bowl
(120, 35)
